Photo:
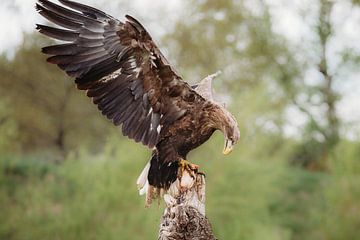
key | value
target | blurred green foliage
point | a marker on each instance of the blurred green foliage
(67, 173)
(46, 109)
(95, 197)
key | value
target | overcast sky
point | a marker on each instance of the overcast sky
(18, 16)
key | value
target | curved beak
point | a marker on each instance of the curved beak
(228, 147)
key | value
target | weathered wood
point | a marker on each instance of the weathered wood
(184, 215)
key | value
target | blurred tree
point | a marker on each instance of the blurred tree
(50, 113)
(317, 97)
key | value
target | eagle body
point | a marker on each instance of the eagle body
(187, 133)
(176, 141)
(133, 85)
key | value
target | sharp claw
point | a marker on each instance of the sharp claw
(190, 167)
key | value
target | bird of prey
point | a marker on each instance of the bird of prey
(124, 73)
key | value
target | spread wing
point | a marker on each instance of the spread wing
(119, 66)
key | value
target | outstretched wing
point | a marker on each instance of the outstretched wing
(119, 66)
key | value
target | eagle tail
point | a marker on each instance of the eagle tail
(156, 178)
(162, 174)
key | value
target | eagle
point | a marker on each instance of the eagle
(125, 74)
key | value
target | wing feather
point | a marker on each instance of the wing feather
(66, 49)
(119, 66)
(57, 33)
(69, 14)
(58, 19)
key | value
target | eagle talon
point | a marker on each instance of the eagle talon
(185, 165)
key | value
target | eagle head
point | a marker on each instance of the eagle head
(224, 121)
(231, 132)
(221, 118)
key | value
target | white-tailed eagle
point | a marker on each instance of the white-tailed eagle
(124, 73)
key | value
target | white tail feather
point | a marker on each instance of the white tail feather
(142, 181)
(144, 189)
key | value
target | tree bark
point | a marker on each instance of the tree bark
(184, 215)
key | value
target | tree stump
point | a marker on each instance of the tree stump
(184, 215)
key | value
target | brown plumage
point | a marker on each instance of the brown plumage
(123, 71)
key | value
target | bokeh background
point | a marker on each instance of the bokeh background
(291, 76)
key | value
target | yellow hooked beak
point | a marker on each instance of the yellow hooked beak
(228, 147)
